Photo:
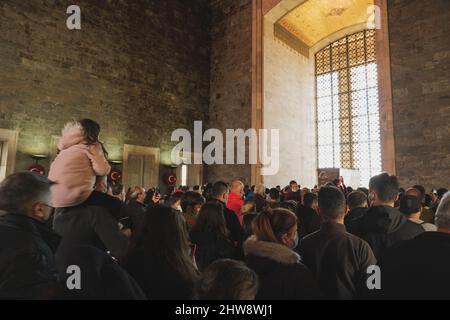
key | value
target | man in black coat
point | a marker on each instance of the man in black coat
(419, 268)
(357, 206)
(308, 219)
(338, 259)
(27, 244)
(383, 225)
(219, 195)
(87, 226)
(135, 209)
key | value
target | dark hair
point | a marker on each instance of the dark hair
(211, 219)
(356, 199)
(385, 186)
(117, 189)
(410, 204)
(190, 199)
(91, 133)
(196, 188)
(148, 200)
(274, 194)
(170, 190)
(247, 222)
(91, 130)
(331, 203)
(227, 280)
(174, 198)
(20, 191)
(218, 189)
(260, 202)
(422, 191)
(363, 190)
(290, 205)
(162, 237)
(271, 224)
(309, 198)
(292, 182)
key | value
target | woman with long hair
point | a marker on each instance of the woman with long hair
(159, 257)
(211, 236)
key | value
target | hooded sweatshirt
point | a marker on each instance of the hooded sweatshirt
(75, 168)
(382, 227)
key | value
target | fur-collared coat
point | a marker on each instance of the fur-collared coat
(281, 274)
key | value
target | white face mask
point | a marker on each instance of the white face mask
(179, 208)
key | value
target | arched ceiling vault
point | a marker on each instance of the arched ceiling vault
(314, 20)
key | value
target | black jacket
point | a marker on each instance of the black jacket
(87, 226)
(101, 277)
(339, 260)
(210, 247)
(354, 214)
(136, 212)
(281, 274)
(417, 268)
(158, 280)
(308, 220)
(383, 226)
(232, 222)
(27, 265)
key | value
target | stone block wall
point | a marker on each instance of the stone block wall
(420, 66)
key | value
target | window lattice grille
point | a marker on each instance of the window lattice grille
(348, 125)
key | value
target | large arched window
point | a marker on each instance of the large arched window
(348, 120)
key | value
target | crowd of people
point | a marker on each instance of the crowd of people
(218, 241)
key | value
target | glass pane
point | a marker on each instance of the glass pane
(325, 156)
(336, 108)
(324, 109)
(372, 75)
(358, 78)
(375, 157)
(373, 105)
(374, 125)
(324, 85)
(335, 83)
(337, 144)
(361, 155)
(325, 132)
(359, 103)
(360, 129)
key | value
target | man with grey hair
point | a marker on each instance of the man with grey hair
(27, 244)
(419, 268)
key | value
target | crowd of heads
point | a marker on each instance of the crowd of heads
(188, 242)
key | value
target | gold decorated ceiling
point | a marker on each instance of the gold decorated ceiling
(314, 20)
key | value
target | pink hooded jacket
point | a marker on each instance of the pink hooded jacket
(75, 168)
